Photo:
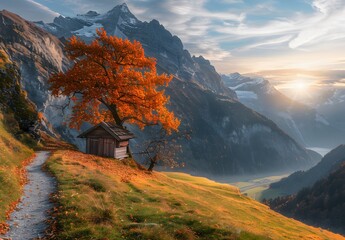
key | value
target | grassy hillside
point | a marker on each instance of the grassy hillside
(101, 198)
(13, 155)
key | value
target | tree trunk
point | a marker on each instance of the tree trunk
(116, 116)
(153, 162)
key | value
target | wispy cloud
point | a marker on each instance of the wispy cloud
(237, 35)
(29, 9)
(326, 25)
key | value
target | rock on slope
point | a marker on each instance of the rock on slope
(303, 123)
(227, 138)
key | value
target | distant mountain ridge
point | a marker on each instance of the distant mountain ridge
(227, 137)
(304, 124)
(321, 205)
(299, 180)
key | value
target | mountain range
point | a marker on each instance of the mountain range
(227, 137)
(307, 125)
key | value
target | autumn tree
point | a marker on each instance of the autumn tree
(162, 148)
(112, 80)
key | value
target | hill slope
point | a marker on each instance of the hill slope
(18, 117)
(107, 199)
(13, 155)
(298, 180)
(321, 205)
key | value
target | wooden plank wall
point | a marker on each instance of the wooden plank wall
(100, 146)
(121, 152)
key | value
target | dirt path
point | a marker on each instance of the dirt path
(28, 221)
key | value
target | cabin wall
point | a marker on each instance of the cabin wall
(121, 152)
(101, 146)
(100, 142)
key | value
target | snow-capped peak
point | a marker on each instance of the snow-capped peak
(124, 7)
(90, 14)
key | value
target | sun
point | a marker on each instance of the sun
(301, 89)
(300, 86)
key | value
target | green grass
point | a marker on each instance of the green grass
(12, 155)
(101, 198)
(258, 188)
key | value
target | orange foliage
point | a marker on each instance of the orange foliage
(40, 116)
(113, 80)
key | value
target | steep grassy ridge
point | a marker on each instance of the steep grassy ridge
(13, 155)
(102, 198)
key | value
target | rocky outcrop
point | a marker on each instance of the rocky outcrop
(13, 99)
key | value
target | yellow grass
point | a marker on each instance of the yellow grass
(106, 198)
(12, 155)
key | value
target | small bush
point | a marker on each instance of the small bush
(102, 216)
(134, 199)
(152, 233)
(185, 234)
(96, 185)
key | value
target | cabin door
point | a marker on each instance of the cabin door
(109, 148)
(94, 146)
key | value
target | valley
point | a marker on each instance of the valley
(255, 186)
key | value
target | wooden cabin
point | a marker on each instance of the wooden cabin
(107, 140)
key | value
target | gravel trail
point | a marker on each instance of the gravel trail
(28, 220)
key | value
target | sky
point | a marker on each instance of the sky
(284, 40)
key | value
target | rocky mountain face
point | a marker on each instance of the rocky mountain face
(321, 205)
(156, 40)
(227, 137)
(305, 124)
(20, 113)
(299, 180)
(37, 54)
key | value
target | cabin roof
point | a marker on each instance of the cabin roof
(114, 130)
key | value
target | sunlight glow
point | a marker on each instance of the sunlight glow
(300, 86)
(300, 89)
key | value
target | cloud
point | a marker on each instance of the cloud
(191, 21)
(29, 9)
(326, 25)
(232, 1)
(267, 43)
(236, 34)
